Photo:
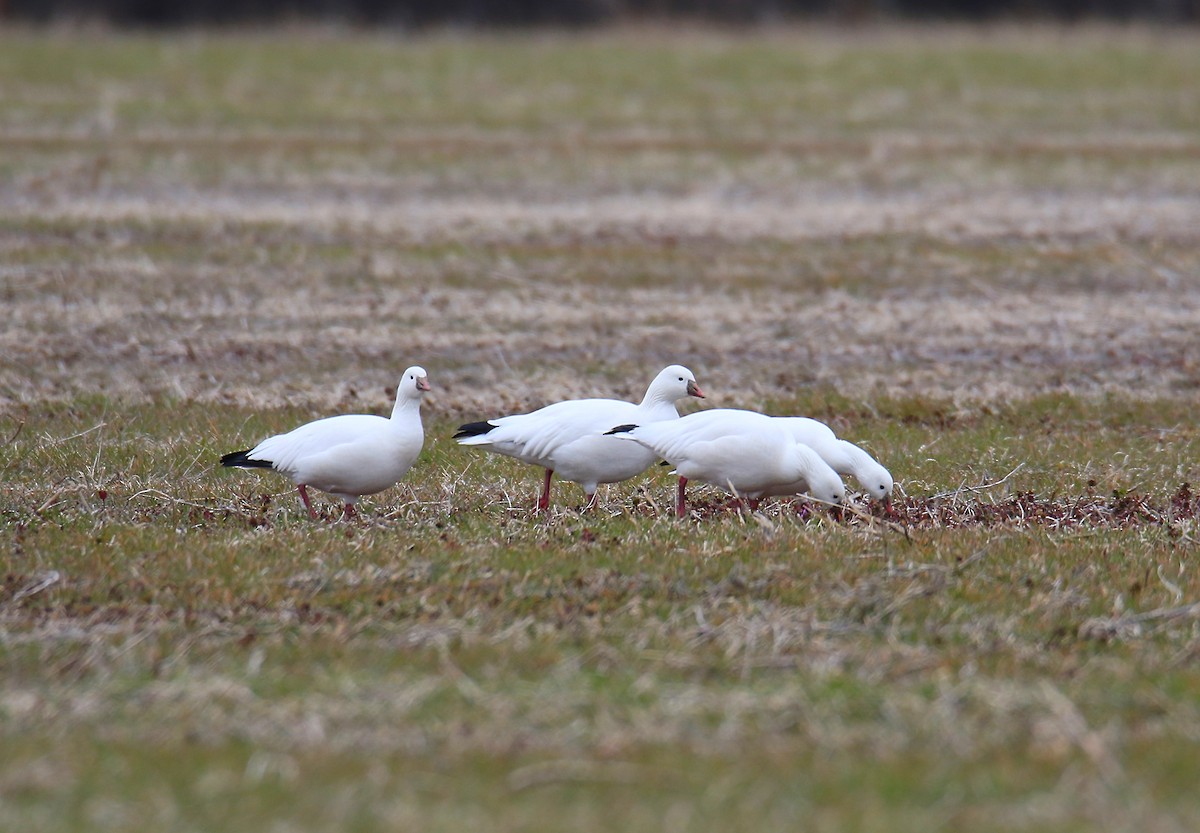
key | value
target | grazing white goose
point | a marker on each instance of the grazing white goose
(742, 452)
(347, 456)
(567, 438)
(842, 456)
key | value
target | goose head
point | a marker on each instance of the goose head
(876, 480)
(823, 482)
(671, 384)
(413, 383)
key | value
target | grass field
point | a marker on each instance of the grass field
(973, 251)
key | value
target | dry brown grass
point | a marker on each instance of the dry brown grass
(521, 331)
(1028, 227)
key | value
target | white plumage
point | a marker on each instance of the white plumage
(567, 438)
(347, 456)
(843, 457)
(742, 452)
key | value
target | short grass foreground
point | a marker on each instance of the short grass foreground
(1014, 648)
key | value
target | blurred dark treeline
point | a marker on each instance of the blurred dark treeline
(584, 12)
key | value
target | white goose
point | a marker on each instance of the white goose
(347, 456)
(742, 452)
(567, 438)
(842, 456)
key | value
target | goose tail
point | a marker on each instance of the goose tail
(473, 429)
(239, 459)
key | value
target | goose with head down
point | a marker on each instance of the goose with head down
(842, 456)
(743, 452)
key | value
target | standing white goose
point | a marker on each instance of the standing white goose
(347, 456)
(842, 456)
(567, 438)
(742, 452)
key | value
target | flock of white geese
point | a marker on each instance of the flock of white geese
(586, 441)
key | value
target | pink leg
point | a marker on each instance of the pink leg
(591, 502)
(348, 512)
(544, 500)
(680, 500)
(303, 489)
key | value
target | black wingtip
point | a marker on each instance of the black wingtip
(239, 459)
(620, 429)
(472, 429)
